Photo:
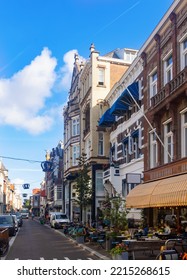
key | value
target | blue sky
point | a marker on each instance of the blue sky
(38, 39)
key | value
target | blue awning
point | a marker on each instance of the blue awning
(125, 100)
(107, 119)
(118, 108)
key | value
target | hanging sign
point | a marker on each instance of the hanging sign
(47, 166)
(26, 186)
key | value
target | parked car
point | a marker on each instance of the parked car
(58, 220)
(19, 218)
(15, 221)
(7, 221)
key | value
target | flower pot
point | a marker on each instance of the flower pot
(125, 256)
(122, 256)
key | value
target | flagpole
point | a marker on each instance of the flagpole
(154, 130)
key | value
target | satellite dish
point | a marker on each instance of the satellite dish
(47, 166)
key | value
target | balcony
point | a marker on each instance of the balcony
(176, 85)
(166, 170)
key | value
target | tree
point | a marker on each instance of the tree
(83, 186)
(27, 204)
(116, 213)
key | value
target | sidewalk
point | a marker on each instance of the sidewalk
(94, 249)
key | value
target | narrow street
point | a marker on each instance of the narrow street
(39, 242)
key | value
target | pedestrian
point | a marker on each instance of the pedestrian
(167, 228)
(32, 215)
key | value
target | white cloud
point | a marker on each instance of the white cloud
(23, 96)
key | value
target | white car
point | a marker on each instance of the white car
(25, 214)
(58, 220)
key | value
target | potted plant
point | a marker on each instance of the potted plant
(119, 252)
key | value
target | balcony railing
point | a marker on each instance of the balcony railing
(169, 88)
(166, 170)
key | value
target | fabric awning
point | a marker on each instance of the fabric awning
(161, 193)
(118, 108)
(107, 119)
(126, 98)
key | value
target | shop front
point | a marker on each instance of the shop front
(162, 200)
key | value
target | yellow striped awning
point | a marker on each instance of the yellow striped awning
(161, 193)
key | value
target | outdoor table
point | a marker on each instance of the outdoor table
(150, 244)
(165, 236)
(120, 238)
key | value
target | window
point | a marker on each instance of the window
(135, 144)
(75, 127)
(127, 187)
(153, 150)
(99, 182)
(100, 144)
(153, 84)
(113, 153)
(168, 68)
(168, 142)
(87, 120)
(101, 76)
(127, 149)
(183, 48)
(75, 154)
(184, 134)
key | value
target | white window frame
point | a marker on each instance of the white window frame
(101, 144)
(75, 154)
(99, 183)
(101, 76)
(126, 148)
(168, 68)
(75, 126)
(153, 78)
(183, 52)
(153, 149)
(135, 147)
(168, 146)
(183, 133)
